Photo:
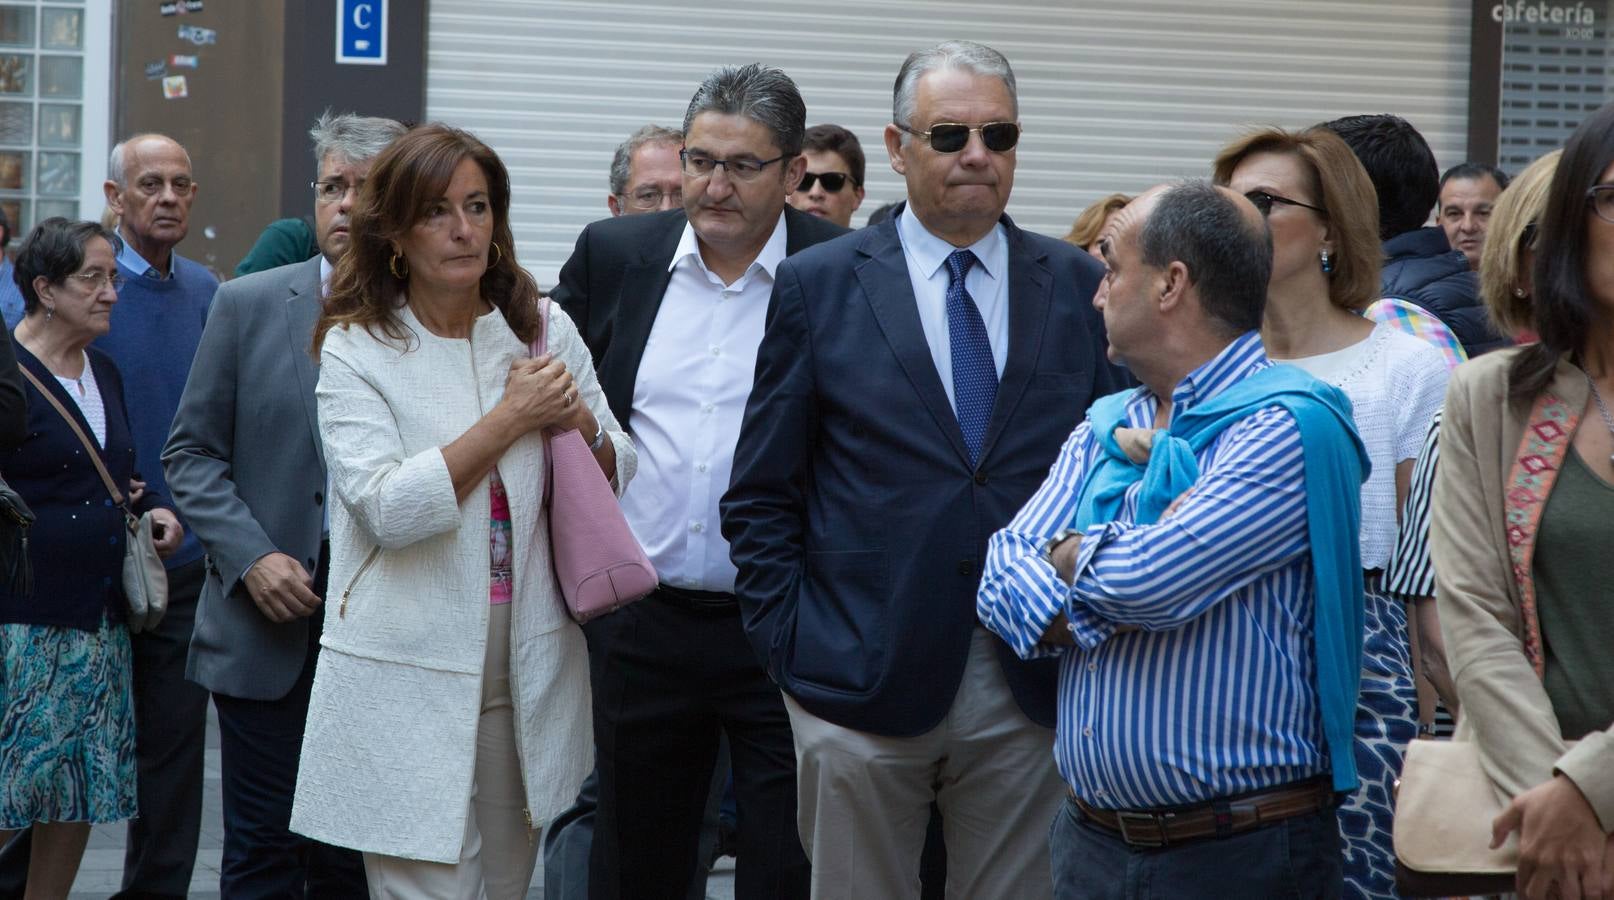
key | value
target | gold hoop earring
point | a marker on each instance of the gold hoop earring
(392, 265)
(498, 255)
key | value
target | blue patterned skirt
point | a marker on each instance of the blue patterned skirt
(1386, 722)
(67, 731)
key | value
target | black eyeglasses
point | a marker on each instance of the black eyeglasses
(951, 137)
(1601, 199)
(1264, 200)
(698, 165)
(833, 181)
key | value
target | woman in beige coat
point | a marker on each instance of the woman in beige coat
(450, 710)
(1522, 523)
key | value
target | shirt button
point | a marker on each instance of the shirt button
(696, 527)
(1092, 667)
(717, 351)
(700, 467)
(1087, 731)
(708, 407)
(1098, 792)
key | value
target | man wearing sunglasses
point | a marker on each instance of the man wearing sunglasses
(672, 306)
(915, 382)
(832, 188)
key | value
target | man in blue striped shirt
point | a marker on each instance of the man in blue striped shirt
(1189, 711)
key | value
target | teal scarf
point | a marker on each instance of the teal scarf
(1336, 465)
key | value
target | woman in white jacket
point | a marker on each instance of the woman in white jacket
(450, 711)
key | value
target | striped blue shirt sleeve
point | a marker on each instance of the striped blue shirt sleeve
(1020, 593)
(1245, 517)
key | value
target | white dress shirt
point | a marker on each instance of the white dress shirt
(688, 399)
(987, 282)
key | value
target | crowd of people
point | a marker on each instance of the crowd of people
(991, 565)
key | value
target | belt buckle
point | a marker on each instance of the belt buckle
(1154, 821)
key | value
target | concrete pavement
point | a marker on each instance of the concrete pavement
(102, 870)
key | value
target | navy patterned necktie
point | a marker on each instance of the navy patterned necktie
(975, 377)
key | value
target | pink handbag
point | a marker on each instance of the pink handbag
(598, 561)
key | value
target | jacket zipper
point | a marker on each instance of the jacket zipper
(341, 609)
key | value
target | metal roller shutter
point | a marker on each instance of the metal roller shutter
(1113, 96)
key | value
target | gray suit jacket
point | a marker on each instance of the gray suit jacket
(247, 471)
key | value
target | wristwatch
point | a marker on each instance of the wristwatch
(599, 440)
(1061, 536)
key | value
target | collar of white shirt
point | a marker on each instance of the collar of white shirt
(325, 270)
(773, 252)
(931, 252)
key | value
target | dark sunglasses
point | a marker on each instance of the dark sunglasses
(1263, 201)
(951, 137)
(833, 181)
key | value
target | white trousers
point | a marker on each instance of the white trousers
(499, 851)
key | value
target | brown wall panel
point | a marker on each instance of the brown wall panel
(230, 122)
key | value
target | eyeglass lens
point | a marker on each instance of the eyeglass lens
(833, 181)
(999, 137)
(95, 280)
(1262, 201)
(650, 199)
(1602, 199)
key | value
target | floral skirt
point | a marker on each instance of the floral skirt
(67, 730)
(1386, 722)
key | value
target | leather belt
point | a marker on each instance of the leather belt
(698, 601)
(1217, 819)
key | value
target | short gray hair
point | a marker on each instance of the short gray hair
(622, 161)
(115, 169)
(968, 55)
(354, 138)
(763, 94)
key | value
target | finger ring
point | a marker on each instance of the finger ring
(570, 397)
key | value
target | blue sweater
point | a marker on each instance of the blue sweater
(156, 327)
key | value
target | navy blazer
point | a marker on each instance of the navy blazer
(76, 543)
(856, 520)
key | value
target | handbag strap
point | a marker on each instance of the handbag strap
(539, 348)
(95, 453)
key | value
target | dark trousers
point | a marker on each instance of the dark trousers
(1296, 857)
(259, 745)
(570, 836)
(668, 679)
(170, 739)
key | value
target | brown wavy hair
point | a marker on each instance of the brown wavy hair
(1084, 231)
(405, 180)
(1338, 184)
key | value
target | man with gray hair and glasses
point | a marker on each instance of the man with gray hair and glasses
(645, 173)
(914, 383)
(244, 463)
(672, 306)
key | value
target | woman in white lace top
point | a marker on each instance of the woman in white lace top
(1323, 212)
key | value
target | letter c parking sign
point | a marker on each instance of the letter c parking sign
(361, 32)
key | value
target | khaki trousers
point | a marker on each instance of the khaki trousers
(499, 851)
(864, 800)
